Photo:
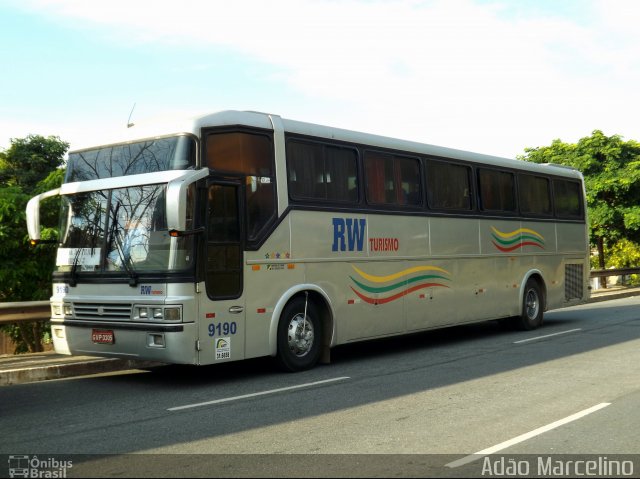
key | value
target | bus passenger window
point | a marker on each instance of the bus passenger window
(567, 195)
(322, 172)
(497, 191)
(249, 155)
(448, 186)
(534, 195)
(392, 180)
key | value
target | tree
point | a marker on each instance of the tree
(611, 168)
(30, 166)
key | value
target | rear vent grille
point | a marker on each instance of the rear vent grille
(573, 281)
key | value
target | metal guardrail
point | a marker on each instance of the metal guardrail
(40, 310)
(599, 273)
(24, 311)
(619, 272)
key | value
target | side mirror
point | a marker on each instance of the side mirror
(33, 215)
(176, 199)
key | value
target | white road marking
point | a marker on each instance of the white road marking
(524, 437)
(547, 336)
(260, 393)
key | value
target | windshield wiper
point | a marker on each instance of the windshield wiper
(73, 279)
(88, 232)
(133, 276)
(124, 257)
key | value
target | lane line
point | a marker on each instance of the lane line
(260, 393)
(523, 437)
(547, 336)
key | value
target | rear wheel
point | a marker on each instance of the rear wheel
(532, 307)
(299, 335)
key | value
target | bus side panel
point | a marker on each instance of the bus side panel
(434, 305)
(573, 272)
(572, 239)
(375, 289)
(269, 273)
(519, 248)
(455, 248)
(399, 270)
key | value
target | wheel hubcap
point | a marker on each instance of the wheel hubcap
(300, 335)
(533, 305)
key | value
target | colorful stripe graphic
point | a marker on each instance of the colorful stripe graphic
(399, 284)
(508, 242)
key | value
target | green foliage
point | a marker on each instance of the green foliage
(624, 254)
(29, 160)
(611, 169)
(30, 166)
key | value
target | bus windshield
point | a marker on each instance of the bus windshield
(159, 154)
(119, 230)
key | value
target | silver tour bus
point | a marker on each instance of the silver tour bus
(241, 234)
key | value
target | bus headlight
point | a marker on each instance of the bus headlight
(157, 313)
(172, 314)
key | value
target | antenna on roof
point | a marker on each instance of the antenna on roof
(129, 124)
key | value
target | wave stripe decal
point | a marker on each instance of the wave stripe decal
(391, 277)
(423, 280)
(517, 232)
(385, 289)
(511, 241)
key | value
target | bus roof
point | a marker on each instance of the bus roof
(171, 125)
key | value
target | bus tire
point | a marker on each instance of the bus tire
(532, 307)
(299, 339)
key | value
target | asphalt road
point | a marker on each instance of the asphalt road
(432, 404)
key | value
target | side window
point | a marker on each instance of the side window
(448, 186)
(497, 192)
(250, 155)
(534, 195)
(322, 172)
(392, 179)
(568, 199)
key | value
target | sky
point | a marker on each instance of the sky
(490, 76)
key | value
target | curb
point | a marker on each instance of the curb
(615, 295)
(84, 367)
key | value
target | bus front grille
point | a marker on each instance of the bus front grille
(102, 312)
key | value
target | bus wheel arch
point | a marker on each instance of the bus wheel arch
(291, 336)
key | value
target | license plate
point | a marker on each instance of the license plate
(103, 336)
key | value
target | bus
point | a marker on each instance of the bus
(243, 234)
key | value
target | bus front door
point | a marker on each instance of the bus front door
(222, 325)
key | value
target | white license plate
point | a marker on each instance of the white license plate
(103, 336)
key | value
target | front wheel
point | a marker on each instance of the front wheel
(532, 307)
(299, 335)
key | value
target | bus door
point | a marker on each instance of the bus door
(222, 309)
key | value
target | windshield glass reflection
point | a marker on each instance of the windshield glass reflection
(159, 154)
(121, 230)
